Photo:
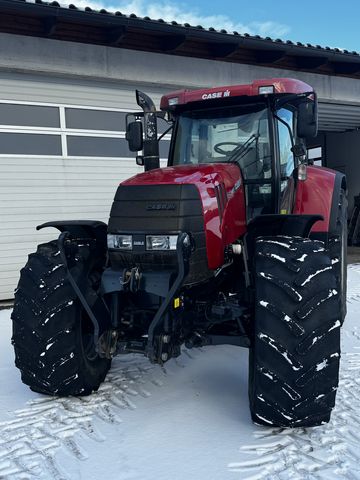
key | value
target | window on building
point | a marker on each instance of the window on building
(29, 144)
(49, 131)
(29, 115)
(85, 119)
(315, 155)
(81, 146)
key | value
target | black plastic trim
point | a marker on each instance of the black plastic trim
(80, 229)
(271, 225)
(299, 225)
(339, 183)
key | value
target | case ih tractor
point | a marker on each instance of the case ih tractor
(239, 241)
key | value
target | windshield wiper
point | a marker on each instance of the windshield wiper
(242, 150)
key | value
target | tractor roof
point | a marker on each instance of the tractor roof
(257, 87)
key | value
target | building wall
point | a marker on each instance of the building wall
(53, 57)
(64, 183)
(343, 153)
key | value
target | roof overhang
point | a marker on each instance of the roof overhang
(50, 20)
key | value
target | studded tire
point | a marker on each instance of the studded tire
(52, 335)
(295, 352)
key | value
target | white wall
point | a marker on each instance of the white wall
(54, 57)
(34, 189)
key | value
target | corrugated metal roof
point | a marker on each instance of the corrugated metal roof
(71, 23)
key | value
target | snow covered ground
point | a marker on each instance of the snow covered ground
(187, 420)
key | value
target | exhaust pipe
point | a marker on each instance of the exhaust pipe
(151, 144)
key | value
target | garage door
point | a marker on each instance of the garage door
(60, 159)
(338, 117)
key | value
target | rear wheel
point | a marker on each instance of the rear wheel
(295, 353)
(52, 335)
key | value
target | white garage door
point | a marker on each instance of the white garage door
(62, 155)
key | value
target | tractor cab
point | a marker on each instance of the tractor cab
(259, 127)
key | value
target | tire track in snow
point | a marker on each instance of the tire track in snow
(353, 290)
(29, 442)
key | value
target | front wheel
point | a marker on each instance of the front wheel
(295, 353)
(52, 335)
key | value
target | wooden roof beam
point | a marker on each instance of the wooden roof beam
(116, 35)
(345, 67)
(50, 25)
(170, 43)
(269, 56)
(222, 50)
(310, 62)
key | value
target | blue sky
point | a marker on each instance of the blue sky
(323, 22)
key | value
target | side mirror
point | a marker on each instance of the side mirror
(134, 136)
(307, 123)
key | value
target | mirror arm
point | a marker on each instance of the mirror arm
(139, 160)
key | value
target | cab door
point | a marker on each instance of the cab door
(286, 160)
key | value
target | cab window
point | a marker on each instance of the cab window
(240, 136)
(287, 163)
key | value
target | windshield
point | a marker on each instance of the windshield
(236, 135)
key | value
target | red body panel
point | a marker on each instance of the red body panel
(281, 85)
(219, 232)
(314, 196)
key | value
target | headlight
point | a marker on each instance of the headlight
(122, 242)
(161, 242)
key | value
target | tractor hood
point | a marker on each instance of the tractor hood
(186, 174)
(178, 197)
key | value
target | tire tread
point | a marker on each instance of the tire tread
(294, 358)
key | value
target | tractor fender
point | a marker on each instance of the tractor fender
(81, 229)
(339, 184)
(319, 194)
(275, 224)
(94, 232)
(290, 224)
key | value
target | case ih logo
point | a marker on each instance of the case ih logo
(161, 206)
(209, 96)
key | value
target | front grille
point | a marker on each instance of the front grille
(159, 209)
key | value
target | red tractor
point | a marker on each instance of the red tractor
(239, 240)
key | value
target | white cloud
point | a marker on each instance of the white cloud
(182, 14)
